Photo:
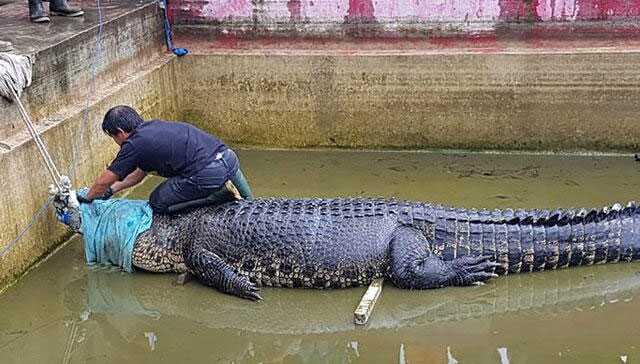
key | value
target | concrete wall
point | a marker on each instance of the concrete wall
(64, 63)
(67, 109)
(24, 180)
(400, 17)
(535, 101)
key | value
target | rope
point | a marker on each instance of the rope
(17, 71)
(48, 161)
(24, 230)
(168, 33)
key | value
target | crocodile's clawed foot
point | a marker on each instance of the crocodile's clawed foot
(253, 296)
(249, 291)
(470, 270)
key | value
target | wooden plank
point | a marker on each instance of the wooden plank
(368, 301)
(184, 278)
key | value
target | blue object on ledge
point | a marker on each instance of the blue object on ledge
(168, 34)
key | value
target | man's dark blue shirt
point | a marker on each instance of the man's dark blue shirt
(168, 148)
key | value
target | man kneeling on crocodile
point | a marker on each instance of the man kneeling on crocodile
(197, 165)
(241, 245)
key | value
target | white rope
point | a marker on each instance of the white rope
(48, 161)
(16, 71)
(17, 75)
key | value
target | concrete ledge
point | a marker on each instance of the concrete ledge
(64, 53)
(517, 98)
(398, 29)
(394, 18)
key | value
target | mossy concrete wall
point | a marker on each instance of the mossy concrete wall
(533, 100)
(25, 180)
(67, 105)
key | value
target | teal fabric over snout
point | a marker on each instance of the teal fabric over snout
(111, 227)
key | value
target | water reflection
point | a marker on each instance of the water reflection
(302, 325)
(288, 312)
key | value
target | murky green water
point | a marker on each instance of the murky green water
(65, 312)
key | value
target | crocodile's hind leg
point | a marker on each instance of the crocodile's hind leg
(414, 266)
(214, 272)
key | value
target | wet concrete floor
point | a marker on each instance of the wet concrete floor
(64, 311)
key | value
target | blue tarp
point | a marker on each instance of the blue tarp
(111, 227)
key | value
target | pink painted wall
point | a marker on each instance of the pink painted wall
(391, 15)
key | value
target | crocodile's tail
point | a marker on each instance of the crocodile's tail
(534, 240)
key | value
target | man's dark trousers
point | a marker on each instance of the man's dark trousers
(176, 190)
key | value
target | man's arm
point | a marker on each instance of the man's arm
(104, 181)
(131, 180)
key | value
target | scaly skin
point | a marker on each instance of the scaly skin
(314, 243)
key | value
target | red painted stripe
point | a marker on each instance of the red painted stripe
(518, 10)
(294, 7)
(607, 9)
(360, 10)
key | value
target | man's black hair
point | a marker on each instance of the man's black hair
(121, 117)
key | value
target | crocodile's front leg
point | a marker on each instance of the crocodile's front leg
(214, 272)
(414, 266)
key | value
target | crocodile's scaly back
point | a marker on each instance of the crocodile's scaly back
(533, 240)
(302, 243)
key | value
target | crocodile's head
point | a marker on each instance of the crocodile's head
(68, 210)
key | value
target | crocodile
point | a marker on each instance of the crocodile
(239, 246)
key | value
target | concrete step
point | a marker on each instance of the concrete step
(71, 60)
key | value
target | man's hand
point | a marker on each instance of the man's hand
(100, 187)
(83, 199)
(105, 196)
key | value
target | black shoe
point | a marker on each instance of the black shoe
(36, 12)
(62, 8)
